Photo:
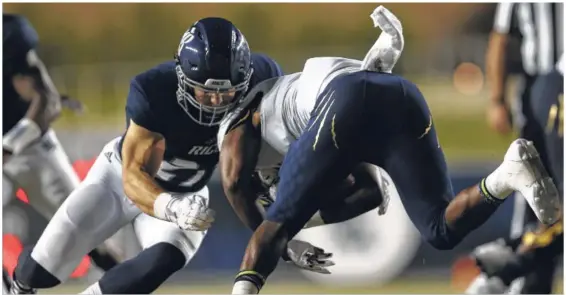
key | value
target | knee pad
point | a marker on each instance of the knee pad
(144, 273)
(33, 275)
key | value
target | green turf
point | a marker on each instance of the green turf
(412, 286)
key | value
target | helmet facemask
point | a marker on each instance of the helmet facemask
(208, 103)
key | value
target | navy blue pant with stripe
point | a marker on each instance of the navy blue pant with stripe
(376, 118)
(547, 103)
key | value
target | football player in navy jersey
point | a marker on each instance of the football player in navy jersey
(33, 158)
(154, 175)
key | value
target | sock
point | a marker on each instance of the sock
(244, 287)
(491, 192)
(248, 282)
(495, 186)
(93, 289)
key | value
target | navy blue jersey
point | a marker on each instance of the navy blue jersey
(191, 152)
(19, 38)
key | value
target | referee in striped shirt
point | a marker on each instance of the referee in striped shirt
(540, 29)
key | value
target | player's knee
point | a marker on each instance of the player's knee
(440, 243)
(32, 274)
(103, 259)
(442, 238)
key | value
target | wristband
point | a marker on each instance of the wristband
(160, 206)
(20, 136)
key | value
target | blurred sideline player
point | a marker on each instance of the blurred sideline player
(155, 175)
(506, 265)
(33, 158)
(338, 113)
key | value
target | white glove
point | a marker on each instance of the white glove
(308, 257)
(189, 212)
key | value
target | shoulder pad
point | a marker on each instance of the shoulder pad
(246, 106)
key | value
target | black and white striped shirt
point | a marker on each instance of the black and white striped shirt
(541, 26)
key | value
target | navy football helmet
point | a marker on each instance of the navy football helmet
(214, 69)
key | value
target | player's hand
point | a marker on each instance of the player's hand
(72, 104)
(308, 257)
(499, 118)
(191, 212)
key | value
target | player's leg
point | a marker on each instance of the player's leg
(166, 249)
(45, 173)
(92, 213)
(548, 108)
(321, 157)
(412, 156)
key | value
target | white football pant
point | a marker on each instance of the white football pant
(44, 172)
(95, 211)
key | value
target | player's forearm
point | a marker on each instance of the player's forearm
(142, 189)
(245, 207)
(35, 85)
(37, 111)
(495, 67)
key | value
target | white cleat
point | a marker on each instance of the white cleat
(484, 285)
(522, 171)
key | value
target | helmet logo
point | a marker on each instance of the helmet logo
(187, 37)
(218, 83)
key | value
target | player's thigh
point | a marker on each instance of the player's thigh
(419, 171)
(322, 156)
(409, 150)
(123, 244)
(151, 231)
(548, 107)
(8, 190)
(45, 174)
(92, 213)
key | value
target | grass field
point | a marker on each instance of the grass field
(413, 286)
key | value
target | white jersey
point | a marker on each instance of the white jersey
(287, 103)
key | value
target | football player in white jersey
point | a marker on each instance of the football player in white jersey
(339, 113)
(33, 158)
